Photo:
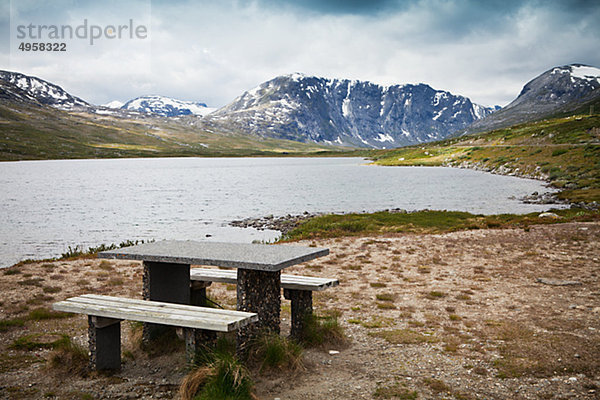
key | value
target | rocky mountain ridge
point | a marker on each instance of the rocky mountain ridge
(559, 90)
(29, 88)
(166, 106)
(346, 112)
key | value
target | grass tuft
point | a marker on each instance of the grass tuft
(322, 331)
(69, 358)
(404, 336)
(272, 351)
(225, 379)
(396, 391)
(40, 314)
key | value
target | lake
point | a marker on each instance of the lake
(47, 206)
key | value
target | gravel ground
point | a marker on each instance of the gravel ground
(488, 314)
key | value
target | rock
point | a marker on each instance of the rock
(549, 215)
(556, 282)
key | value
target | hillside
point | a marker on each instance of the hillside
(564, 151)
(32, 131)
(560, 91)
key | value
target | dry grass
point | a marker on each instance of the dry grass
(191, 384)
(404, 336)
(525, 352)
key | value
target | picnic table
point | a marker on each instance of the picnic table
(167, 264)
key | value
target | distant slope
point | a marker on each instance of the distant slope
(564, 151)
(29, 131)
(344, 112)
(558, 91)
(166, 106)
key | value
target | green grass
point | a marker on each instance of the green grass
(568, 148)
(323, 330)
(274, 352)
(404, 336)
(224, 379)
(5, 324)
(72, 253)
(40, 341)
(38, 314)
(68, 358)
(336, 225)
(395, 391)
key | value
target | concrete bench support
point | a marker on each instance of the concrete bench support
(162, 282)
(199, 337)
(104, 339)
(296, 288)
(258, 292)
(302, 308)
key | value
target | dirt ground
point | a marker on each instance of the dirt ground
(481, 314)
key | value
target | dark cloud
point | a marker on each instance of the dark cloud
(214, 50)
(340, 7)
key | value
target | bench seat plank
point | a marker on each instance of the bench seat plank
(157, 312)
(295, 282)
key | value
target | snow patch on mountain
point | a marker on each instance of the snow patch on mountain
(585, 72)
(114, 104)
(166, 106)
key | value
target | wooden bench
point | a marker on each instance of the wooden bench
(296, 288)
(106, 312)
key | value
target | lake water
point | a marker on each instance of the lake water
(46, 206)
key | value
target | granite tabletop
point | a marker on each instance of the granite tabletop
(229, 255)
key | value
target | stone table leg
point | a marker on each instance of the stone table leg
(164, 282)
(104, 338)
(301, 309)
(258, 292)
(198, 339)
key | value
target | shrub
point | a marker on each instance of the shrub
(69, 358)
(51, 289)
(385, 297)
(404, 336)
(163, 341)
(559, 152)
(39, 341)
(434, 294)
(12, 271)
(8, 323)
(395, 392)
(272, 351)
(40, 314)
(323, 330)
(225, 378)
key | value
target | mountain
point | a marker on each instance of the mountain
(166, 106)
(345, 112)
(32, 89)
(115, 104)
(560, 90)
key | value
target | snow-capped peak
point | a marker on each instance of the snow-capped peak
(166, 106)
(43, 91)
(114, 104)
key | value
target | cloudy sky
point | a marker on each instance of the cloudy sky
(212, 51)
